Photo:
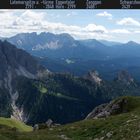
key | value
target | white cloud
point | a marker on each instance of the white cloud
(95, 28)
(137, 31)
(29, 18)
(37, 21)
(84, 35)
(128, 21)
(105, 14)
(4, 11)
(72, 14)
(32, 21)
(89, 31)
(120, 31)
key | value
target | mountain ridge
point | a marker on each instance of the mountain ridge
(64, 46)
(14, 63)
(32, 99)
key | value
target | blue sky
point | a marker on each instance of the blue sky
(114, 25)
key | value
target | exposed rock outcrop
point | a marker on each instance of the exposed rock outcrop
(14, 63)
(125, 77)
(49, 124)
(105, 110)
(94, 77)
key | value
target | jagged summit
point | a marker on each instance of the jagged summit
(43, 41)
(94, 77)
(125, 77)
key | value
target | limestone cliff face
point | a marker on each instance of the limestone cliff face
(94, 77)
(13, 63)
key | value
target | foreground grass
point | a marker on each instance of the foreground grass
(15, 124)
(125, 126)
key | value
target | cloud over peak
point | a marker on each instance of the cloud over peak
(128, 22)
(27, 21)
(105, 14)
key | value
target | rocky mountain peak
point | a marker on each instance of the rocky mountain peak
(42, 41)
(94, 77)
(125, 77)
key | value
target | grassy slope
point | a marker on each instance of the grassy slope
(15, 124)
(125, 126)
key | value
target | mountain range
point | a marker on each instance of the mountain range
(62, 53)
(28, 89)
(32, 94)
(65, 46)
(55, 77)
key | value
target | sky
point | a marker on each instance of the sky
(112, 25)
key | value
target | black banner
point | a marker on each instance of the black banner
(70, 4)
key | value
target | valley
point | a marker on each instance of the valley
(118, 126)
(80, 56)
(54, 77)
